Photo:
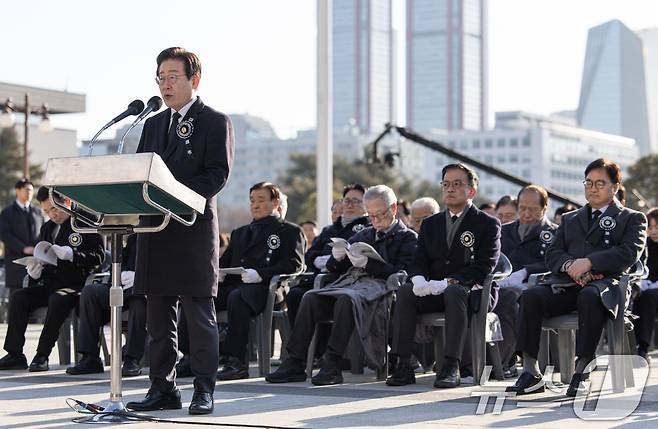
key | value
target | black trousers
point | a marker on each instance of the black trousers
(293, 301)
(453, 301)
(507, 310)
(161, 315)
(645, 306)
(539, 302)
(95, 313)
(316, 308)
(24, 301)
(242, 302)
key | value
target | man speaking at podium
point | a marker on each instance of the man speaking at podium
(196, 143)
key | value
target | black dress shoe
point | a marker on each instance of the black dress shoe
(510, 372)
(574, 385)
(184, 368)
(448, 377)
(156, 400)
(235, 369)
(88, 365)
(403, 375)
(12, 361)
(202, 403)
(39, 363)
(329, 374)
(526, 384)
(291, 370)
(131, 368)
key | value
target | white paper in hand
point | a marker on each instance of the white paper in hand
(236, 271)
(42, 254)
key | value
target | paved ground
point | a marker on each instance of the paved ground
(38, 401)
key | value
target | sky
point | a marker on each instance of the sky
(258, 56)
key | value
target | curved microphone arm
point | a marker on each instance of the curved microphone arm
(93, 140)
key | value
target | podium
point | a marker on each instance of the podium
(114, 185)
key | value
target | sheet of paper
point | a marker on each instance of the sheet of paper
(237, 271)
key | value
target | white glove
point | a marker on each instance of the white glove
(514, 279)
(34, 270)
(321, 261)
(65, 253)
(338, 253)
(421, 286)
(222, 277)
(251, 276)
(358, 260)
(437, 287)
(650, 284)
(127, 279)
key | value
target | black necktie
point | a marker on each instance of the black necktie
(30, 224)
(172, 128)
(595, 216)
(454, 218)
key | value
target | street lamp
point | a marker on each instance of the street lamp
(8, 119)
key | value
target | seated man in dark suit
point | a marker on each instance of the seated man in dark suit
(593, 247)
(356, 299)
(352, 220)
(524, 242)
(266, 247)
(457, 249)
(53, 286)
(95, 313)
(646, 305)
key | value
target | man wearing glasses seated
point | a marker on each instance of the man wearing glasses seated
(457, 249)
(356, 301)
(593, 247)
(352, 220)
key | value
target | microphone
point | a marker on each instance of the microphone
(153, 105)
(134, 108)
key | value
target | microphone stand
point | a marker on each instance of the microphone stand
(91, 143)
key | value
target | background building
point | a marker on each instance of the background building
(446, 64)
(613, 92)
(548, 150)
(650, 54)
(362, 65)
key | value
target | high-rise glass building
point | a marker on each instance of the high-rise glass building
(649, 38)
(446, 64)
(362, 65)
(613, 90)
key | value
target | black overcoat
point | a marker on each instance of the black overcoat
(17, 233)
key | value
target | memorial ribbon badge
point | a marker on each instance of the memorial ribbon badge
(273, 242)
(75, 239)
(607, 224)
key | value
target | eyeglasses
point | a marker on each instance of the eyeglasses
(171, 79)
(379, 216)
(599, 184)
(352, 201)
(457, 184)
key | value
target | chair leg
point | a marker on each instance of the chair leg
(311, 353)
(544, 350)
(263, 334)
(614, 343)
(628, 366)
(478, 349)
(64, 343)
(104, 348)
(567, 354)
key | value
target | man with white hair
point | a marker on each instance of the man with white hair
(357, 300)
(420, 209)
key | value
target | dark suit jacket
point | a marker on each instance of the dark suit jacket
(574, 239)
(17, 234)
(468, 265)
(530, 252)
(88, 253)
(396, 247)
(320, 246)
(184, 260)
(277, 248)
